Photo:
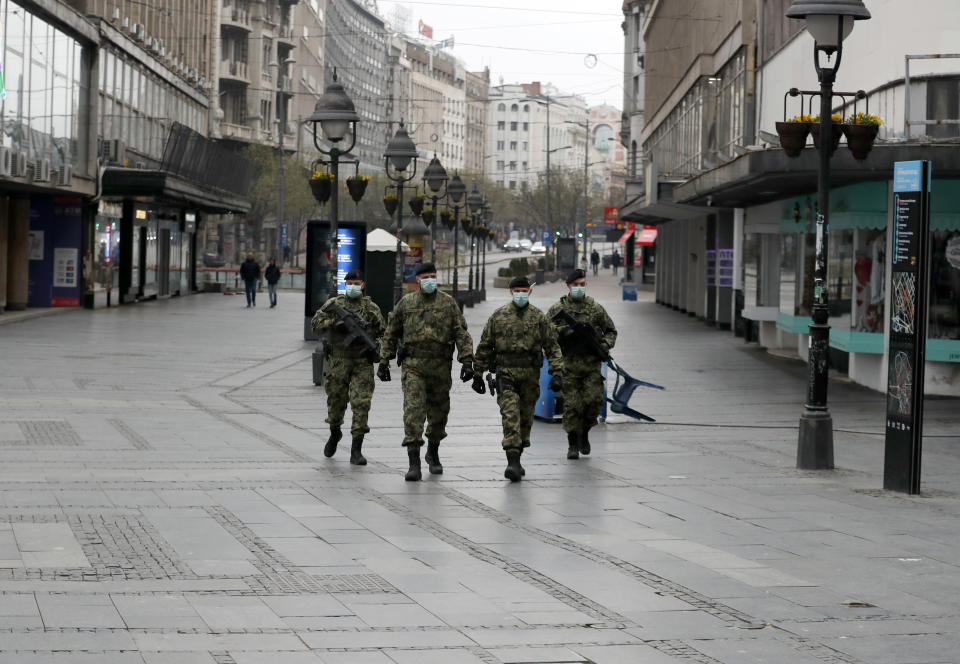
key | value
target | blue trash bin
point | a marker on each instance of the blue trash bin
(630, 292)
(546, 404)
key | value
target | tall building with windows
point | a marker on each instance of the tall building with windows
(438, 104)
(475, 157)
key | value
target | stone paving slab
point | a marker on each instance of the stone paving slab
(164, 499)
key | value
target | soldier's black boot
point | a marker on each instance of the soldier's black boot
(585, 442)
(331, 447)
(523, 471)
(432, 457)
(356, 457)
(513, 471)
(413, 453)
(573, 445)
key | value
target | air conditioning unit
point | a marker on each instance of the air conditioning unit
(65, 176)
(112, 150)
(19, 164)
(41, 170)
(6, 162)
(141, 165)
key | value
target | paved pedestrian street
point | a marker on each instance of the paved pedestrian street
(164, 499)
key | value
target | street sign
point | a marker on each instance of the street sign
(545, 238)
(909, 281)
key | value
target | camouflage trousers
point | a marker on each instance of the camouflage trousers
(426, 387)
(517, 405)
(583, 396)
(349, 379)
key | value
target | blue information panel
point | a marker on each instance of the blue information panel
(545, 238)
(349, 250)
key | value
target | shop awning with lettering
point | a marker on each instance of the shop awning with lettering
(647, 236)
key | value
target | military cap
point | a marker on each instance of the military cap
(353, 275)
(426, 268)
(520, 282)
(576, 274)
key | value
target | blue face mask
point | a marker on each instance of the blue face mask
(578, 292)
(428, 285)
(354, 290)
(521, 298)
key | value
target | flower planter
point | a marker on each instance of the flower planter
(390, 204)
(837, 130)
(428, 216)
(793, 136)
(357, 188)
(321, 188)
(446, 218)
(416, 205)
(860, 139)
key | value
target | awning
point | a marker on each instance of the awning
(626, 236)
(171, 188)
(647, 236)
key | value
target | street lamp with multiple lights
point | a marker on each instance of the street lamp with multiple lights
(475, 202)
(336, 115)
(401, 150)
(455, 190)
(829, 22)
(435, 177)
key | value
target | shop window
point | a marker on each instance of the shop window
(944, 319)
(869, 281)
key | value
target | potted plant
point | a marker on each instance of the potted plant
(428, 216)
(466, 224)
(836, 128)
(357, 186)
(861, 130)
(793, 134)
(446, 218)
(321, 184)
(416, 204)
(390, 203)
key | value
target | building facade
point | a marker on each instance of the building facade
(736, 215)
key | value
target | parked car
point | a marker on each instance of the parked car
(526, 244)
(213, 259)
(513, 244)
(538, 248)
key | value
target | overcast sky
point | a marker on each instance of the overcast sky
(532, 40)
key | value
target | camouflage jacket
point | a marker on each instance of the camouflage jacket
(364, 308)
(427, 326)
(586, 310)
(513, 333)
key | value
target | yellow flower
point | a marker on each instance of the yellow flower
(801, 118)
(322, 175)
(864, 119)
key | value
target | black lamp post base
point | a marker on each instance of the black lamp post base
(815, 444)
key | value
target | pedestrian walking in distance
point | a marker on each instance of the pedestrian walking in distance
(272, 275)
(615, 261)
(514, 342)
(595, 261)
(250, 273)
(422, 331)
(581, 364)
(350, 371)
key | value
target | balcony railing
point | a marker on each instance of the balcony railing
(230, 130)
(235, 16)
(234, 69)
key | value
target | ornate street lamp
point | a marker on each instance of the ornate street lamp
(487, 218)
(435, 177)
(829, 22)
(336, 115)
(475, 203)
(455, 191)
(401, 150)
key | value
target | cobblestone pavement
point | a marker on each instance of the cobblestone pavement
(164, 500)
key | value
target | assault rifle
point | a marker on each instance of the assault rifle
(586, 339)
(356, 330)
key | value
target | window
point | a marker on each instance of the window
(501, 125)
(499, 145)
(513, 165)
(526, 108)
(514, 108)
(513, 126)
(500, 167)
(513, 185)
(513, 145)
(501, 107)
(525, 146)
(526, 126)
(524, 166)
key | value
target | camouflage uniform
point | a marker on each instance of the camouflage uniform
(350, 371)
(513, 344)
(581, 407)
(428, 326)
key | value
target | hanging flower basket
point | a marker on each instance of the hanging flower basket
(416, 205)
(390, 203)
(446, 218)
(793, 135)
(861, 131)
(357, 186)
(836, 128)
(466, 224)
(321, 186)
(429, 216)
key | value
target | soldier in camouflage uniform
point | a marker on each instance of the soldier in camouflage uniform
(422, 331)
(514, 341)
(350, 371)
(581, 364)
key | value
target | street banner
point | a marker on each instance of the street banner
(611, 216)
(909, 283)
(425, 30)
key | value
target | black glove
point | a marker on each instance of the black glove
(478, 385)
(466, 372)
(556, 383)
(341, 327)
(383, 372)
(372, 356)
